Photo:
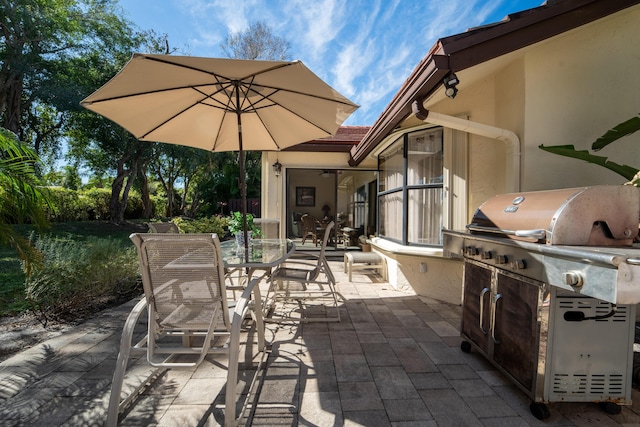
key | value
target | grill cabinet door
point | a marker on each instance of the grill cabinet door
(516, 327)
(477, 303)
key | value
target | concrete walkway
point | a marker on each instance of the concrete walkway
(394, 360)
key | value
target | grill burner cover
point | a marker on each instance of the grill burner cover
(606, 215)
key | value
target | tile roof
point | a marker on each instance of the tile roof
(345, 138)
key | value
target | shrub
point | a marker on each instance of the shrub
(213, 224)
(79, 277)
(67, 205)
(98, 199)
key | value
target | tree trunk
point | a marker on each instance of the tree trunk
(147, 205)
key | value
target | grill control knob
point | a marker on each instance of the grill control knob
(518, 264)
(471, 251)
(486, 255)
(573, 278)
(501, 259)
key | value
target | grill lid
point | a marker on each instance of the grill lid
(606, 215)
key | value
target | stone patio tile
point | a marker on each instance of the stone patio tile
(428, 380)
(386, 318)
(359, 396)
(489, 407)
(411, 355)
(366, 418)
(394, 331)
(393, 383)
(471, 388)
(458, 372)
(345, 342)
(200, 391)
(442, 354)
(321, 409)
(351, 367)
(379, 354)
(190, 415)
(407, 410)
(319, 378)
(443, 328)
(448, 408)
(423, 334)
(372, 337)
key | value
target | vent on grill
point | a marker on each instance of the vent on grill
(594, 308)
(584, 384)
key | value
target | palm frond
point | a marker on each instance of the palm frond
(623, 129)
(626, 171)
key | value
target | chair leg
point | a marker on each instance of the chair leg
(239, 314)
(121, 363)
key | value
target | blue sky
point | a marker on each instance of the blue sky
(365, 49)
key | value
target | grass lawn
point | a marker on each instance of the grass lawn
(11, 275)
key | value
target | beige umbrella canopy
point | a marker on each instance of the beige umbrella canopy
(221, 104)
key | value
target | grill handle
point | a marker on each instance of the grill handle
(537, 234)
(493, 319)
(482, 294)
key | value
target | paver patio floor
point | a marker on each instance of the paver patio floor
(394, 360)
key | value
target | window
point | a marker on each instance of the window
(410, 193)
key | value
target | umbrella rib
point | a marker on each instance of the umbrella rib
(247, 88)
(218, 76)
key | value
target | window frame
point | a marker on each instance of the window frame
(405, 189)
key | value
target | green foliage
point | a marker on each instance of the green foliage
(569, 151)
(67, 205)
(21, 199)
(625, 128)
(12, 278)
(86, 205)
(236, 225)
(214, 224)
(78, 277)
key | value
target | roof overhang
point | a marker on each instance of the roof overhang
(478, 45)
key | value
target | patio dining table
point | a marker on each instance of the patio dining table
(261, 254)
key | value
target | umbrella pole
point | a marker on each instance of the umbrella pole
(243, 184)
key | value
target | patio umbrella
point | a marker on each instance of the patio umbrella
(221, 104)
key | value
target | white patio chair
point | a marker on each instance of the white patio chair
(305, 277)
(163, 227)
(188, 317)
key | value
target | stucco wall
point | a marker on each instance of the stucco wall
(579, 85)
(433, 277)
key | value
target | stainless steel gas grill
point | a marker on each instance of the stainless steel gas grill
(551, 279)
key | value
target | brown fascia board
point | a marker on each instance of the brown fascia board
(478, 45)
(324, 147)
(425, 78)
(525, 28)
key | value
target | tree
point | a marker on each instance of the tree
(103, 146)
(257, 42)
(21, 200)
(42, 45)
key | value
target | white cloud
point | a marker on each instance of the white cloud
(317, 24)
(365, 49)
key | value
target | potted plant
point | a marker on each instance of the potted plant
(234, 223)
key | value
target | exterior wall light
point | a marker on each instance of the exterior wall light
(450, 82)
(277, 168)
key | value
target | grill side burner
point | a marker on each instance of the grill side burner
(550, 284)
